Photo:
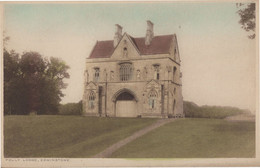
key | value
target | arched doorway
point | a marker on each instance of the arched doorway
(126, 105)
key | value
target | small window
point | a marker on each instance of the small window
(174, 90)
(174, 73)
(91, 100)
(152, 99)
(96, 74)
(156, 71)
(125, 52)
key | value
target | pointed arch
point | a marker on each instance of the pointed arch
(122, 91)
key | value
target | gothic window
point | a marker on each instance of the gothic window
(152, 99)
(174, 73)
(174, 91)
(125, 71)
(156, 71)
(96, 74)
(91, 100)
(125, 52)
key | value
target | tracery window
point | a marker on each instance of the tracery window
(91, 100)
(125, 71)
(152, 99)
(96, 74)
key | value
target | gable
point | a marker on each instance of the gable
(125, 49)
(152, 84)
(91, 86)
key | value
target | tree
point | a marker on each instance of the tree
(33, 83)
(53, 83)
(32, 67)
(11, 81)
(247, 17)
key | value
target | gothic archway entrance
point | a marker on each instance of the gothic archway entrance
(125, 105)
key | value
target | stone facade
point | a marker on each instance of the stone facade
(134, 77)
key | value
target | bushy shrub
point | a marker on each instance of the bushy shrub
(192, 110)
(71, 109)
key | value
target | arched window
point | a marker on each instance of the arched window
(125, 52)
(91, 100)
(96, 74)
(152, 99)
(125, 71)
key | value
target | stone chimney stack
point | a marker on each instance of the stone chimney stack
(149, 33)
(118, 34)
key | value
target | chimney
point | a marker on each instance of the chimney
(149, 33)
(118, 34)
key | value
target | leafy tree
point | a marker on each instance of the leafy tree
(247, 17)
(32, 67)
(33, 83)
(11, 80)
(53, 83)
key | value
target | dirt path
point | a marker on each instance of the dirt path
(107, 152)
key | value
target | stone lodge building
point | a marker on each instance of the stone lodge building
(134, 77)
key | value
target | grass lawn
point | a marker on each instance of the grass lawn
(194, 138)
(65, 136)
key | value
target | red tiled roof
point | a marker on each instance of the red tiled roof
(102, 49)
(159, 45)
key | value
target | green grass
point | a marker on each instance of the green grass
(194, 138)
(65, 136)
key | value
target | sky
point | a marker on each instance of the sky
(218, 60)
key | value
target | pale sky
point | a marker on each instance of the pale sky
(218, 60)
